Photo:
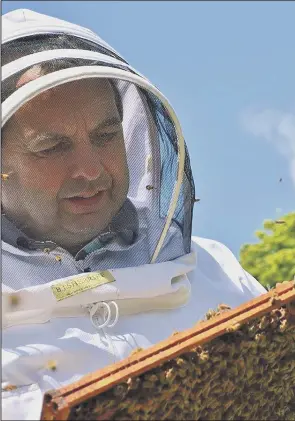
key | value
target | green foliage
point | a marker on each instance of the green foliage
(272, 259)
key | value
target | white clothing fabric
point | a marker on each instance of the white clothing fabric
(209, 276)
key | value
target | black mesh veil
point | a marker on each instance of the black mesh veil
(151, 141)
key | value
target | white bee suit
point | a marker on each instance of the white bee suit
(160, 282)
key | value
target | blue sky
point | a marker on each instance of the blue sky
(228, 69)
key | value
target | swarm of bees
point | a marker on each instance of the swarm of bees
(230, 377)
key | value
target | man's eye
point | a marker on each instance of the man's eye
(102, 138)
(60, 147)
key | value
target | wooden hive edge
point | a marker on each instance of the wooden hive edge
(61, 400)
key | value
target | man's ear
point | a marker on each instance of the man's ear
(32, 74)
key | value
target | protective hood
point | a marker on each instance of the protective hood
(161, 188)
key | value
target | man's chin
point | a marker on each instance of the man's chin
(86, 224)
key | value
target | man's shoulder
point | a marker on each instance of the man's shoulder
(207, 242)
(218, 250)
(218, 262)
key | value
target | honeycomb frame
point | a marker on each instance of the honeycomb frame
(237, 364)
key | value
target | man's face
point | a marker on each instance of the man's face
(66, 157)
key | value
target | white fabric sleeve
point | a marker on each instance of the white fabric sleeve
(253, 285)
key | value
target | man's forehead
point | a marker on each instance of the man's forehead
(90, 99)
(85, 90)
(101, 87)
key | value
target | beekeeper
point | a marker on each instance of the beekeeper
(97, 200)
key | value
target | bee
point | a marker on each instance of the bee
(283, 326)
(136, 351)
(204, 356)
(120, 390)
(46, 250)
(274, 299)
(263, 323)
(152, 378)
(223, 307)
(210, 313)
(5, 176)
(280, 221)
(133, 382)
(170, 374)
(233, 328)
(149, 187)
(9, 387)
(51, 365)
(148, 385)
(196, 199)
(14, 300)
(260, 337)
(58, 258)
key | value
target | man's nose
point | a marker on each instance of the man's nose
(86, 163)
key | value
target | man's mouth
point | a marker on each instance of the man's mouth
(85, 195)
(86, 202)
